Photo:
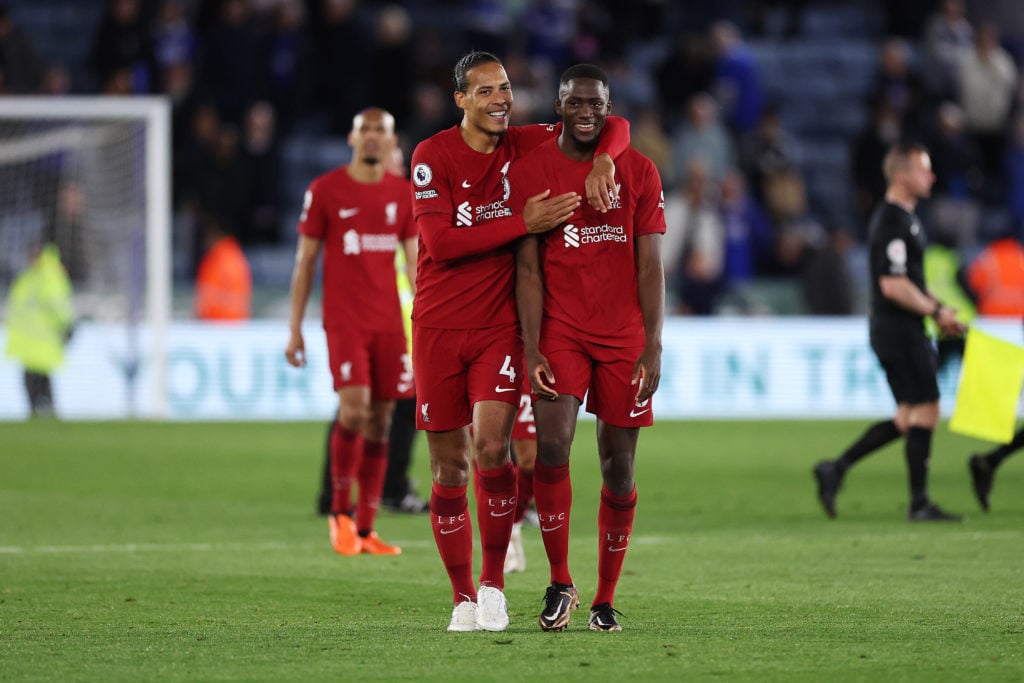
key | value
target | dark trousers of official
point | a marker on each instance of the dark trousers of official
(40, 394)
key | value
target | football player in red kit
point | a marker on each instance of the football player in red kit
(468, 356)
(358, 215)
(591, 300)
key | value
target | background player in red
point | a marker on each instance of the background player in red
(358, 215)
(465, 332)
(591, 301)
(524, 448)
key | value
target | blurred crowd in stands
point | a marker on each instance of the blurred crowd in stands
(247, 76)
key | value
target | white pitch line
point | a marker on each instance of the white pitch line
(223, 547)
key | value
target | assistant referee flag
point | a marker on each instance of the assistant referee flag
(990, 385)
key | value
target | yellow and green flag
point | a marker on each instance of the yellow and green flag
(990, 386)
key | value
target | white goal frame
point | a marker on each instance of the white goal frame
(156, 112)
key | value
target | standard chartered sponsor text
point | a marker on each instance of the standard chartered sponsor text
(590, 234)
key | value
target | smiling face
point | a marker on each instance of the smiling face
(584, 105)
(487, 100)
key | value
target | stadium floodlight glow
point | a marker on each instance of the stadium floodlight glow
(93, 173)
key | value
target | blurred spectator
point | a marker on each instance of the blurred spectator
(747, 232)
(996, 276)
(123, 43)
(40, 317)
(898, 85)
(987, 80)
(56, 81)
(1015, 172)
(630, 84)
(737, 85)
(826, 282)
(430, 114)
(647, 136)
(390, 63)
(232, 62)
(534, 84)
(947, 34)
(702, 136)
(694, 248)
(767, 150)
(174, 42)
(869, 149)
(223, 280)
(20, 68)
(288, 62)
(793, 25)
(797, 232)
(342, 81)
(955, 159)
(685, 72)
(262, 159)
(549, 26)
(222, 186)
(488, 24)
(194, 141)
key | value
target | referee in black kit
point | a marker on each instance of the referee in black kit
(899, 303)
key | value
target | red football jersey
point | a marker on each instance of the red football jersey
(465, 274)
(589, 263)
(361, 226)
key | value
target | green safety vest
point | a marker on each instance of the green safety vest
(40, 313)
(940, 267)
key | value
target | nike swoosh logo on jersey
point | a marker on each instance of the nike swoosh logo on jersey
(445, 532)
(546, 529)
(347, 213)
(502, 391)
(466, 184)
(612, 549)
(634, 413)
(501, 514)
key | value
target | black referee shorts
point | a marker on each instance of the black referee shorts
(908, 358)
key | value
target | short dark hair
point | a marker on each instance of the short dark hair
(470, 60)
(896, 158)
(583, 71)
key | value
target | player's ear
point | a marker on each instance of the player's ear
(558, 106)
(460, 99)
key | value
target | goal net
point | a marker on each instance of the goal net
(91, 174)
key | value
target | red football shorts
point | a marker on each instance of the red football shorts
(456, 369)
(601, 373)
(524, 426)
(379, 360)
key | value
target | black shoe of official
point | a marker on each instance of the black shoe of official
(930, 512)
(827, 475)
(559, 601)
(602, 618)
(981, 479)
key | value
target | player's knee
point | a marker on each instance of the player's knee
(553, 449)
(490, 451)
(452, 471)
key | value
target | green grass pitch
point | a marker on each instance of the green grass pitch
(173, 552)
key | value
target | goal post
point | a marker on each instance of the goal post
(93, 174)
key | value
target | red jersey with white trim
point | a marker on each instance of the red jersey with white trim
(361, 226)
(465, 276)
(589, 263)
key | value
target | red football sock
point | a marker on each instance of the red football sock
(495, 508)
(453, 534)
(524, 495)
(346, 452)
(552, 490)
(371, 483)
(614, 525)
